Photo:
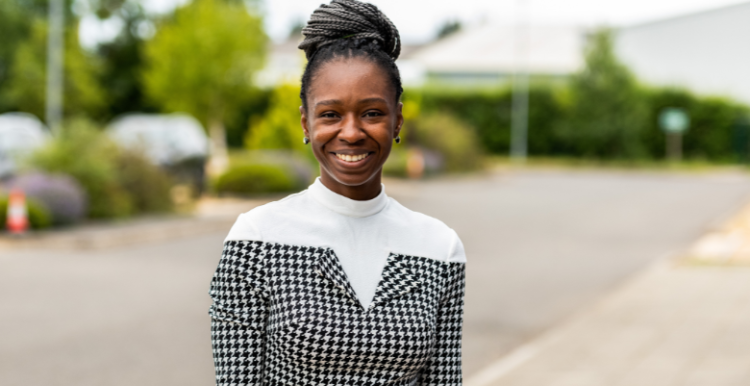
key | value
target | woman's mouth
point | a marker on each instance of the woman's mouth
(352, 157)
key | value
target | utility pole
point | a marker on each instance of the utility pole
(55, 58)
(520, 115)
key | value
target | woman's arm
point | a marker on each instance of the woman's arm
(239, 314)
(445, 366)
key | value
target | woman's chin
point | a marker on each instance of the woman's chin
(354, 179)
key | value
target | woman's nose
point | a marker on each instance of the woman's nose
(351, 130)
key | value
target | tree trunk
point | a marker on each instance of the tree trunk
(219, 159)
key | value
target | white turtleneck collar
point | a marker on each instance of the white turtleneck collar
(347, 206)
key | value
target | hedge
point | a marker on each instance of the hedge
(719, 129)
(254, 179)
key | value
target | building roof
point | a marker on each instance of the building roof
(493, 48)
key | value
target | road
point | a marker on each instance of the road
(541, 245)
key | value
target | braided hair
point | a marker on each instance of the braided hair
(350, 29)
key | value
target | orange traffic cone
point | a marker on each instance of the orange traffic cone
(18, 219)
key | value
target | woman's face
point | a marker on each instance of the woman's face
(352, 118)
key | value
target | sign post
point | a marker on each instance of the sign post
(674, 122)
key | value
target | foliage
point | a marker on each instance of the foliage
(489, 112)
(147, 185)
(608, 111)
(280, 127)
(715, 132)
(25, 88)
(16, 20)
(122, 58)
(254, 179)
(250, 111)
(201, 61)
(60, 195)
(117, 183)
(84, 153)
(13, 28)
(452, 138)
(38, 215)
(302, 170)
(448, 28)
(486, 110)
(395, 165)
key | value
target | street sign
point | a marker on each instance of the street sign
(674, 120)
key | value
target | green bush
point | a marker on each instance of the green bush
(714, 126)
(395, 165)
(300, 168)
(255, 179)
(117, 183)
(608, 109)
(83, 152)
(489, 113)
(716, 132)
(601, 112)
(455, 140)
(39, 216)
(148, 186)
(280, 127)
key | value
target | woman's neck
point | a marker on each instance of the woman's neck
(367, 191)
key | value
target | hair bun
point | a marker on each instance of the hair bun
(349, 19)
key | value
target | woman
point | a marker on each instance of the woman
(340, 284)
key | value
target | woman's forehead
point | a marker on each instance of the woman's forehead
(349, 77)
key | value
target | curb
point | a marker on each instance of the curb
(498, 369)
(140, 231)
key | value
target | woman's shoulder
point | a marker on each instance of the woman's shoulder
(251, 224)
(420, 233)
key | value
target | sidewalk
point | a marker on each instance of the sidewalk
(684, 322)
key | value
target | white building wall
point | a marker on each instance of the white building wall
(708, 52)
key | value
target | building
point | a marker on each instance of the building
(483, 55)
(489, 54)
(706, 52)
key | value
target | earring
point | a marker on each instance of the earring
(306, 140)
(398, 139)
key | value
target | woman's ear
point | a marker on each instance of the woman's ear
(399, 119)
(303, 121)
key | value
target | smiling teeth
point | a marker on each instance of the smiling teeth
(351, 158)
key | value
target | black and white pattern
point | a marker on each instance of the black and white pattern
(287, 315)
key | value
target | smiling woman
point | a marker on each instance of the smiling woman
(352, 120)
(340, 284)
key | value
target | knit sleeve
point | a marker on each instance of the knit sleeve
(239, 314)
(445, 365)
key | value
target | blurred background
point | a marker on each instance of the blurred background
(592, 155)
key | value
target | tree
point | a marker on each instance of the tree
(122, 57)
(608, 109)
(448, 28)
(25, 87)
(19, 19)
(202, 62)
(280, 127)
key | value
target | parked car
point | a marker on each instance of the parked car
(20, 134)
(176, 142)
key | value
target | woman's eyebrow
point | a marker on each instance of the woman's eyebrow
(372, 100)
(328, 102)
(332, 102)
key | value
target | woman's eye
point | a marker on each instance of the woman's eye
(373, 114)
(328, 115)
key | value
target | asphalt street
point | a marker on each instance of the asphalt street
(541, 245)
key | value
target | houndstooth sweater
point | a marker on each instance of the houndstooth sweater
(318, 289)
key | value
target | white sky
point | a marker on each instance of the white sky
(418, 20)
